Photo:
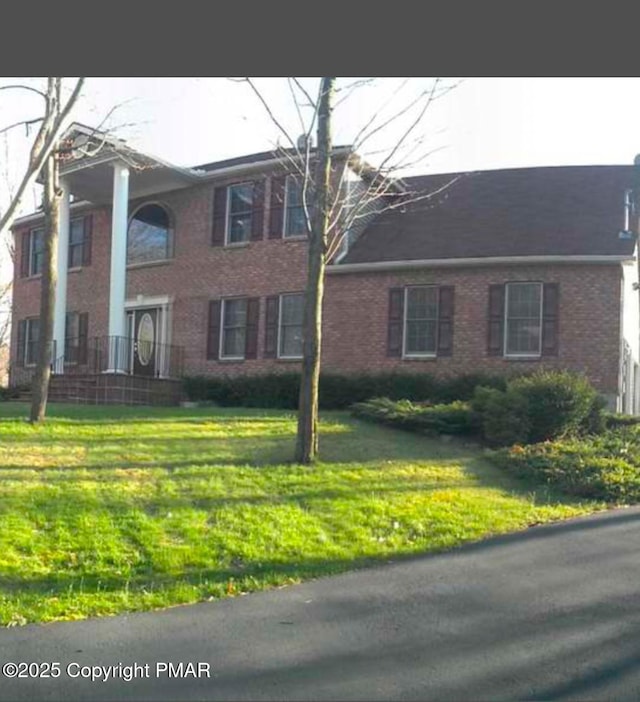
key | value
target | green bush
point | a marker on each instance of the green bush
(539, 407)
(337, 391)
(452, 418)
(613, 420)
(11, 393)
(559, 403)
(502, 416)
(603, 467)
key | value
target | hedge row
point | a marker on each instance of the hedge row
(542, 406)
(280, 390)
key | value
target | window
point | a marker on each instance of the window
(523, 319)
(295, 222)
(234, 328)
(32, 334)
(149, 236)
(290, 327)
(71, 333)
(77, 242)
(421, 321)
(239, 213)
(36, 251)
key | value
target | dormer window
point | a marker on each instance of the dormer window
(149, 237)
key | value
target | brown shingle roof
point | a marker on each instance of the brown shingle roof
(566, 210)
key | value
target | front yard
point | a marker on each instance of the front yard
(105, 510)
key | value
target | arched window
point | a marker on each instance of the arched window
(149, 235)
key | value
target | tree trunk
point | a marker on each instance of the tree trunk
(307, 439)
(46, 352)
(52, 195)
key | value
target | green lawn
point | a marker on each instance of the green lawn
(105, 510)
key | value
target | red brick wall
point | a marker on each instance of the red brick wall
(589, 320)
(355, 305)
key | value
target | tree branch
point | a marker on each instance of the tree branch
(24, 87)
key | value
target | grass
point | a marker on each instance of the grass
(106, 510)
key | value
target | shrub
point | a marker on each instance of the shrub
(337, 391)
(603, 467)
(615, 421)
(11, 393)
(539, 407)
(559, 403)
(502, 415)
(453, 418)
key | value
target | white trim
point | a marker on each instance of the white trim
(480, 261)
(258, 165)
(426, 354)
(221, 356)
(144, 301)
(35, 216)
(279, 355)
(525, 354)
(244, 242)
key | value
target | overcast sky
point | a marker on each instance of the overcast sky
(482, 123)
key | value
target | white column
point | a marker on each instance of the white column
(60, 309)
(118, 280)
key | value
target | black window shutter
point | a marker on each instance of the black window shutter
(219, 216)
(271, 327)
(213, 331)
(495, 332)
(88, 236)
(22, 341)
(83, 336)
(251, 334)
(276, 215)
(445, 320)
(24, 254)
(550, 308)
(396, 322)
(257, 216)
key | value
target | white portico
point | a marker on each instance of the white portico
(104, 171)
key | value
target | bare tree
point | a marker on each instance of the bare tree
(43, 159)
(336, 210)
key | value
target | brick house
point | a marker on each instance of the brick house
(164, 271)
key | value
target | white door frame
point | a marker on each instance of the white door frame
(164, 303)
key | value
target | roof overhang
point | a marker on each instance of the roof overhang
(91, 155)
(381, 266)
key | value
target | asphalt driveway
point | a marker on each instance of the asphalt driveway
(551, 613)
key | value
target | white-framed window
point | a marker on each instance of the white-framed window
(32, 335)
(290, 325)
(239, 213)
(149, 237)
(523, 319)
(77, 232)
(36, 251)
(233, 328)
(295, 222)
(420, 336)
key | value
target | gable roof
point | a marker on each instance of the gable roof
(549, 211)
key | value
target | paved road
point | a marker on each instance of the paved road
(552, 613)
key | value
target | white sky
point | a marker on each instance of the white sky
(483, 123)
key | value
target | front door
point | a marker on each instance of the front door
(145, 341)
